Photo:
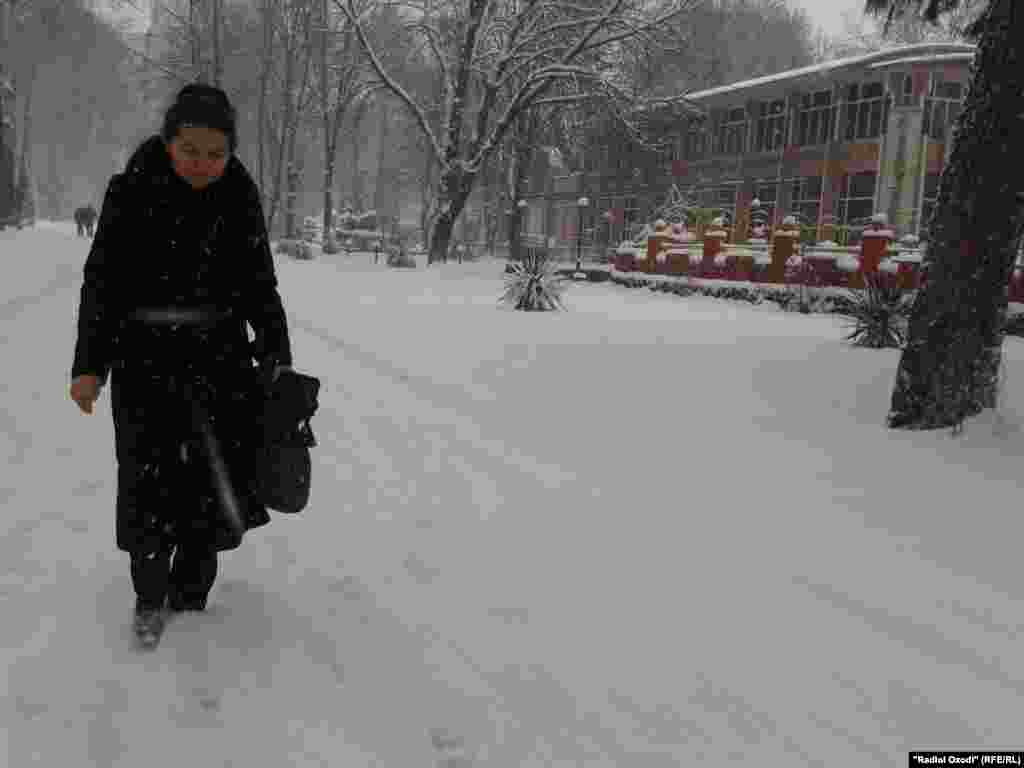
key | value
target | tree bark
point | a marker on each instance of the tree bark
(264, 84)
(218, 55)
(328, 234)
(26, 185)
(356, 188)
(8, 168)
(949, 369)
(381, 196)
(456, 186)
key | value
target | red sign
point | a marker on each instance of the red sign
(791, 152)
(680, 167)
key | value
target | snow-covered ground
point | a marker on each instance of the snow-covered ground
(645, 532)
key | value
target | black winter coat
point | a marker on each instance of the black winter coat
(162, 245)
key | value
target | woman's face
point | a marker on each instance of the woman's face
(199, 154)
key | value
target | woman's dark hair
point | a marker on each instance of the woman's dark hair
(201, 104)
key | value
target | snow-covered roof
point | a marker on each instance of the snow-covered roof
(922, 51)
(965, 56)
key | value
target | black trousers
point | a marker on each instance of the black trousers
(181, 574)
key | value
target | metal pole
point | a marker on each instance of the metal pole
(579, 237)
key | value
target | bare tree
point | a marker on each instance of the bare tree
(504, 57)
(345, 82)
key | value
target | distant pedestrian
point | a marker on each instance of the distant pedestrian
(85, 219)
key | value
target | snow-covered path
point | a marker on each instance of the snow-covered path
(646, 532)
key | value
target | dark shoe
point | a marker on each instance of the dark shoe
(178, 604)
(148, 625)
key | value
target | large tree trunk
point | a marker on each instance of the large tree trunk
(26, 183)
(264, 83)
(455, 188)
(949, 369)
(381, 185)
(328, 233)
(218, 56)
(8, 168)
(356, 187)
(521, 157)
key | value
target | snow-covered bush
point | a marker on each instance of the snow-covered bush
(533, 284)
(296, 249)
(398, 257)
(847, 262)
(877, 315)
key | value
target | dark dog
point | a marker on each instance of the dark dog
(85, 219)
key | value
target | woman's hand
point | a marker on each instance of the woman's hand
(85, 389)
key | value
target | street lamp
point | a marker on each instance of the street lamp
(582, 203)
(521, 206)
(757, 217)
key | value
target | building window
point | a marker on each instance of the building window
(865, 111)
(771, 126)
(722, 201)
(929, 198)
(805, 199)
(905, 97)
(694, 141)
(941, 110)
(731, 138)
(814, 125)
(856, 199)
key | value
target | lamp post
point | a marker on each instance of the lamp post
(756, 215)
(520, 210)
(582, 203)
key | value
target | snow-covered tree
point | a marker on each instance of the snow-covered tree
(949, 368)
(500, 58)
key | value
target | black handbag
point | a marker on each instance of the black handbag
(281, 470)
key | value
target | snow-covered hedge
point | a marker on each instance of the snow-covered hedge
(816, 300)
(847, 262)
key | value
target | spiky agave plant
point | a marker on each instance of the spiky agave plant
(877, 315)
(533, 285)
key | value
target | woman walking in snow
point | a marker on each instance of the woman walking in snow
(179, 264)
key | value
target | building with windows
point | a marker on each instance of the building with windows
(832, 143)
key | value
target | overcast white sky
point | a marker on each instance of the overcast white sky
(827, 14)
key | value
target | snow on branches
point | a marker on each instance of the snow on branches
(498, 58)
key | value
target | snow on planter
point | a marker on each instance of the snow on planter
(889, 266)
(847, 262)
(910, 256)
